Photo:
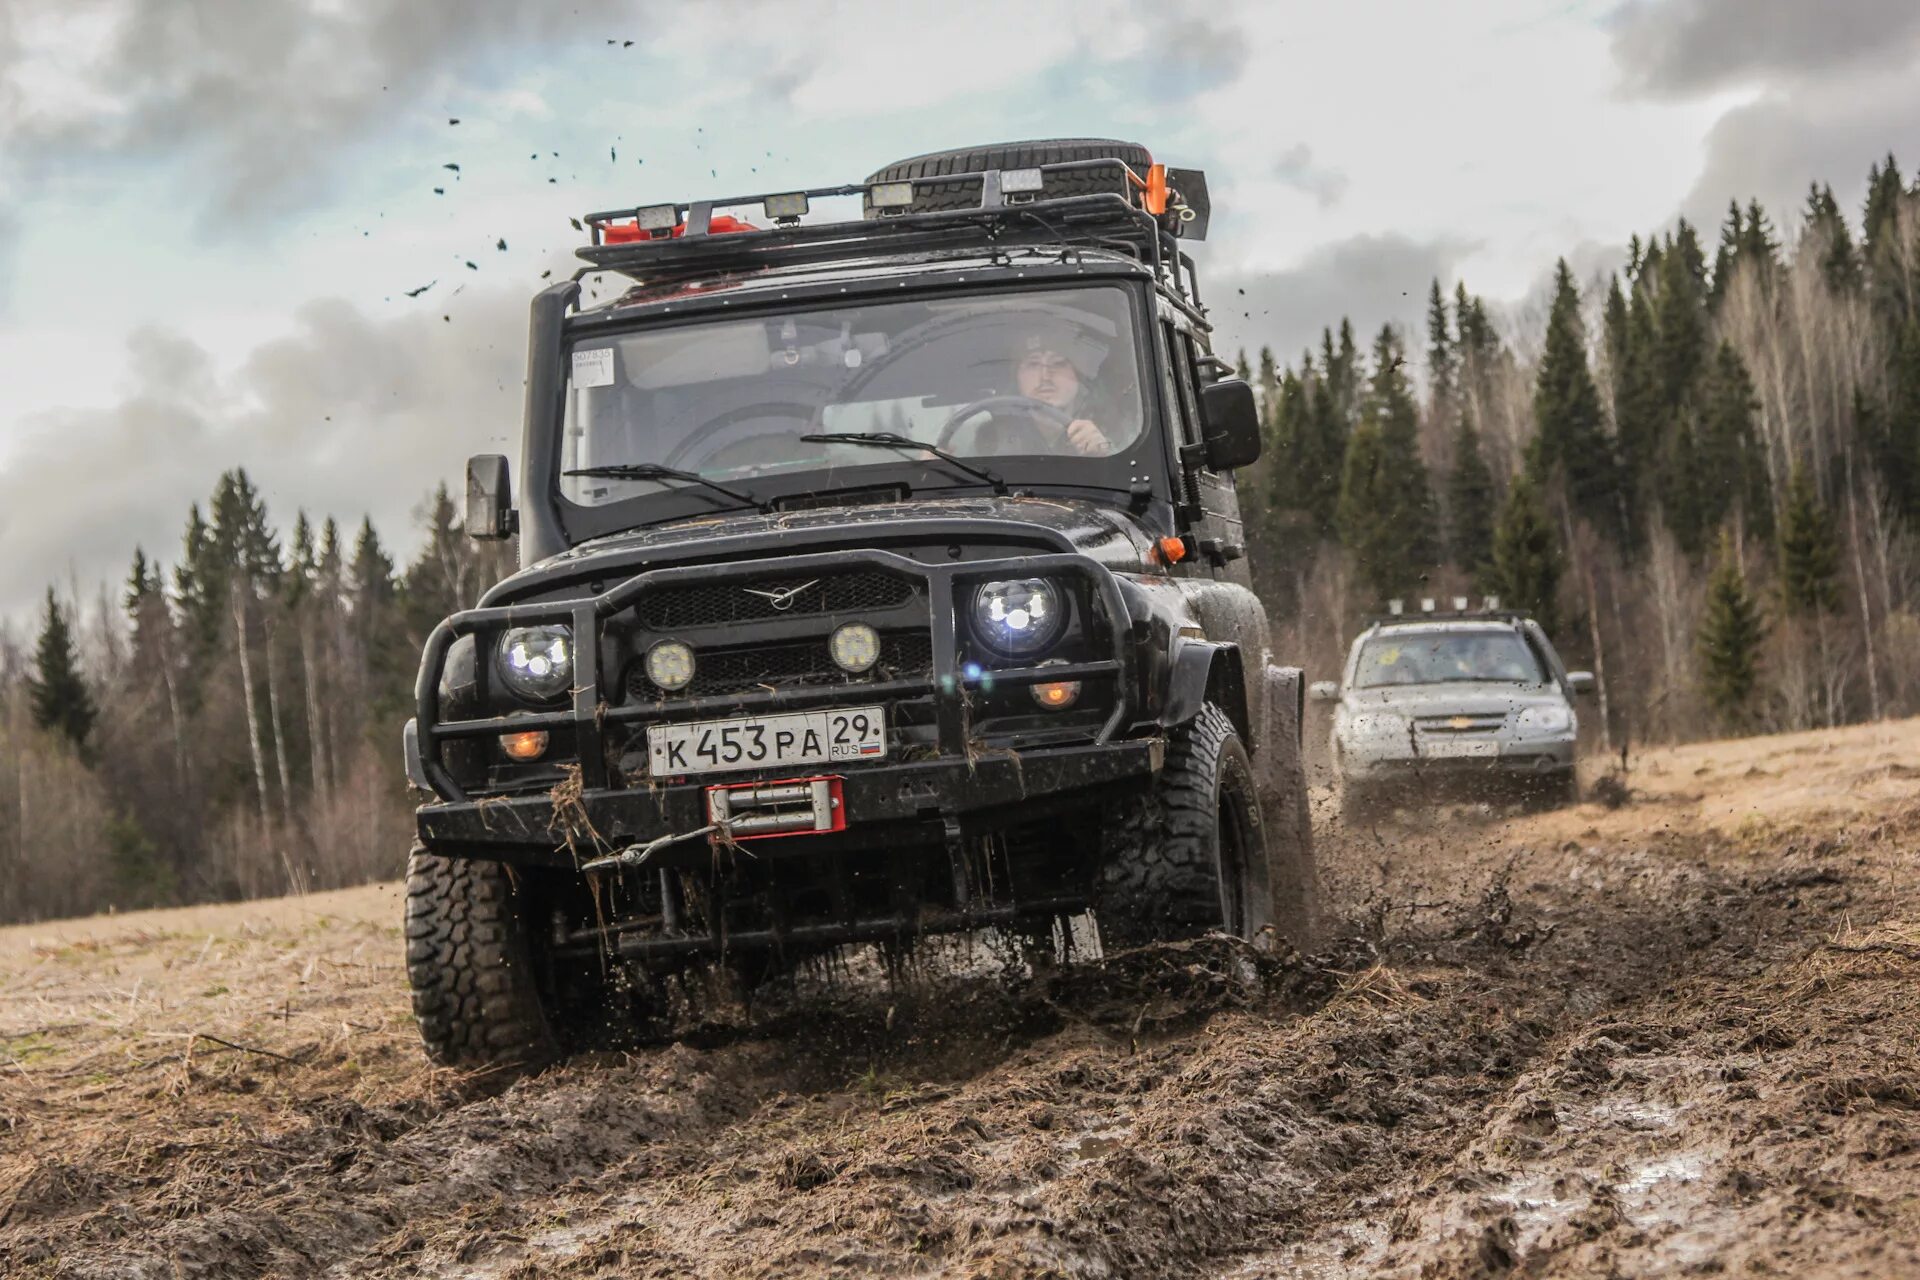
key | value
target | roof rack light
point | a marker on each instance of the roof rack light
(1492, 603)
(657, 217)
(891, 195)
(1396, 607)
(1426, 604)
(1015, 181)
(1459, 604)
(793, 205)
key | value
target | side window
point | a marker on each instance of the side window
(1180, 347)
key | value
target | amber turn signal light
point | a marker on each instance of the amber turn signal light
(529, 745)
(1057, 695)
(1172, 550)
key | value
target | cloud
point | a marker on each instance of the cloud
(1372, 279)
(1685, 48)
(263, 96)
(347, 415)
(9, 240)
(1295, 168)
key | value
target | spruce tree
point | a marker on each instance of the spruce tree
(1366, 520)
(1732, 470)
(1572, 440)
(1727, 256)
(1526, 556)
(1729, 638)
(1470, 501)
(56, 690)
(1759, 249)
(1809, 549)
(1681, 324)
(1409, 492)
(1839, 261)
(1323, 452)
(1440, 352)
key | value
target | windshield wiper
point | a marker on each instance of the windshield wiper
(894, 440)
(654, 471)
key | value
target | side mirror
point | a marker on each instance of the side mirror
(1230, 424)
(489, 498)
(1324, 691)
(1580, 681)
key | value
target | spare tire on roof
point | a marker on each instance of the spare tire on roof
(931, 197)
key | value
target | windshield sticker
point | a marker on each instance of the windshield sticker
(593, 368)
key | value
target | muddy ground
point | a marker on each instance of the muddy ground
(1676, 1037)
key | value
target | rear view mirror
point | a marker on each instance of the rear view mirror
(489, 498)
(1231, 424)
(1580, 681)
(1323, 691)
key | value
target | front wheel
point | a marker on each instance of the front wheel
(1180, 860)
(470, 958)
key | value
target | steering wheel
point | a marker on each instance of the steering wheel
(1026, 404)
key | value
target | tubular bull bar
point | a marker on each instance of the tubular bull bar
(589, 711)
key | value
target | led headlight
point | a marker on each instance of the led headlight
(1546, 719)
(537, 662)
(1019, 617)
(670, 665)
(854, 647)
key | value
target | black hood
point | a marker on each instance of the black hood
(979, 526)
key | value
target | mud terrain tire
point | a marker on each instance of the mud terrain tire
(1180, 859)
(475, 992)
(929, 198)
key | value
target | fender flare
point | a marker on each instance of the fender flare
(1206, 671)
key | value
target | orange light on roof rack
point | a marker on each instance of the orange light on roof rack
(1155, 197)
(633, 232)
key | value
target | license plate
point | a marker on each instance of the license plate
(1459, 747)
(766, 742)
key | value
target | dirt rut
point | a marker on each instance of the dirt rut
(1672, 1038)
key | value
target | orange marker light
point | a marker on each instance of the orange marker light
(1057, 696)
(1155, 196)
(529, 745)
(1173, 550)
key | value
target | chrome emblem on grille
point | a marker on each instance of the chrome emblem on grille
(781, 600)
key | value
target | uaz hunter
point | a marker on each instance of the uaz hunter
(882, 576)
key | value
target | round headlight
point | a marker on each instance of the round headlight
(854, 647)
(670, 665)
(537, 662)
(1020, 616)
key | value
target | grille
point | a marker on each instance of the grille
(717, 604)
(781, 666)
(1459, 724)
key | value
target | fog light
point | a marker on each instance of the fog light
(670, 665)
(529, 745)
(854, 647)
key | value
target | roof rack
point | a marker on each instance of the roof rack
(663, 242)
(1462, 611)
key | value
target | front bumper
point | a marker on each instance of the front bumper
(925, 802)
(1512, 757)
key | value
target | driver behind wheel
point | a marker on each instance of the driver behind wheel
(1044, 371)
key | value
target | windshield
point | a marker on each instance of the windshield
(1008, 376)
(1441, 657)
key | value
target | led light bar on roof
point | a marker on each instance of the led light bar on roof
(657, 217)
(794, 205)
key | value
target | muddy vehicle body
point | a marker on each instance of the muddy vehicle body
(1436, 706)
(827, 633)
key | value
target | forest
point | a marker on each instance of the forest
(1702, 472)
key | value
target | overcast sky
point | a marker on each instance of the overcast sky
(212, 212)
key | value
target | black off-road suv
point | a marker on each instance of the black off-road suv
(882, 576)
